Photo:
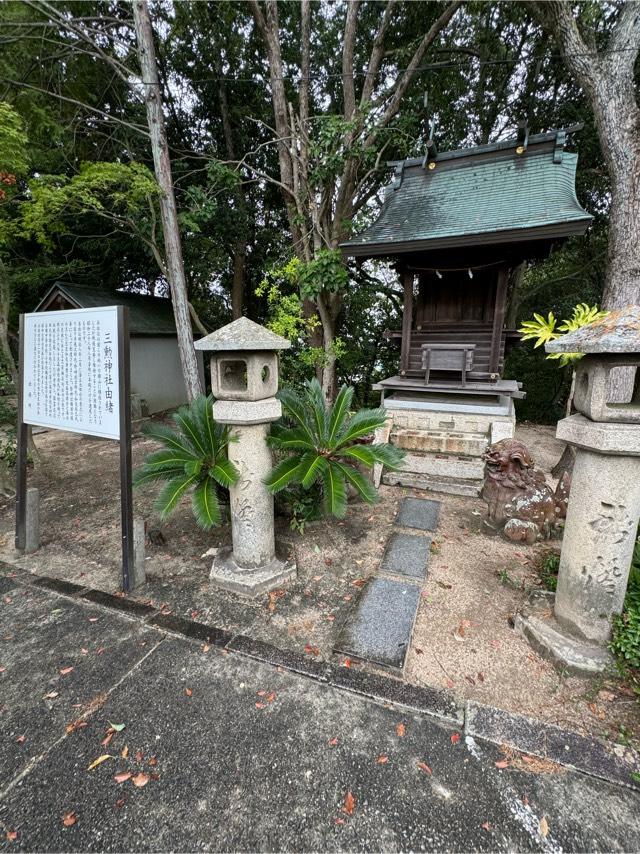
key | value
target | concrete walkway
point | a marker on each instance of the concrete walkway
(240, 755)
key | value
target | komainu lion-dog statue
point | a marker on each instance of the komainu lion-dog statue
(518, 495)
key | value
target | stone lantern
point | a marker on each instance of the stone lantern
(604, 503)
(244, 381)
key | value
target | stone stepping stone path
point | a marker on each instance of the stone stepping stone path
(419, 513)
(379, 629)
(406, 555)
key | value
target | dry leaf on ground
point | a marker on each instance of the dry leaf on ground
(349, 803)
(100, 760)
(69, 819)
(140, 779)
(400, 730)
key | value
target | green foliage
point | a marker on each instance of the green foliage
(327, 444)
(193, 460)
(121, 193)
(548, 570)
(542, 330)
(625, 644)
(13, 142)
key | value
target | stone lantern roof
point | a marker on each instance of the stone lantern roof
(242, 334)
(618, 332)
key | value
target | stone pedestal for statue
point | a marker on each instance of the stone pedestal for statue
(244, 379)
(604, 504)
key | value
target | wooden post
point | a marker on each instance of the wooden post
(21, 459)
(126, 496)
(407, 318)
(498, 321)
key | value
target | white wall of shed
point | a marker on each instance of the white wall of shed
(156, 374)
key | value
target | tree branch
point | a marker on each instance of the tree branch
(348, 85)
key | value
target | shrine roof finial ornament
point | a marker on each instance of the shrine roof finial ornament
(618, 332)
(242, 334)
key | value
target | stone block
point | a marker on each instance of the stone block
(440, 442)
(251, 582)
(592, 388)
(408, 555)
(247, 411)
(420, 513)
(379, 629)
(501, 430)
(605, 438)
(442, 465)
(32, 538)
(138, 575)
(450, 486)
(599, 537)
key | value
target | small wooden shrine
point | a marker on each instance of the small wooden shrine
(457, 224)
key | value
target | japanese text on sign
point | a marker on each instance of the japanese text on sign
(71, 379)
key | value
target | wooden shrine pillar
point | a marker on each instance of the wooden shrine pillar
(407, 320)
(498, 321)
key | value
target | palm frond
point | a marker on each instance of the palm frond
(225, 473)
(167, 436)
(289, 438)
(318, 407)
(204, 502)
(334, 491)
(188, 426)
(172, 492)
(294, 408)
(283, 474)
(363, 487)
(362, 424)
(339, 413)
(312, 465)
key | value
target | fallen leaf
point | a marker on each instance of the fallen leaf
(93, 619)
(139, 757)
(339, 821)
(188, 692)
(271, 697)
(107, 739)
(424, 767)
(346, 662)
(419, 651)
(65, 670)
(74, 725)
(100, 760)
(455, 737)
(359, 582)
(12, 835)
(123, 776)
(261, 705)
(125, 751)
(544, 827)
(206, 647)
(101, 650)
(84, 651)
(444, 584)
(8, 600)
(117, 727)
(120, 803)
(480, 676)
(382, 759)
(51, 695)
(503, 763)
(400, 730)
(69, 819)
(21, 739)
(333, 741)
(2, 669)
(311, 650)
(450, 683)
(140, 779)
(607, 696)
(486, 826)
(153, 761)
(349, 803)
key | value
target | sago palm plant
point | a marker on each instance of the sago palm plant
(327, 444)
(193, 459)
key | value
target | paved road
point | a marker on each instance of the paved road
(244, 756)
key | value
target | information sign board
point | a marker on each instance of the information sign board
(71, 372)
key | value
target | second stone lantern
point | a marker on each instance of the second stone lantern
(244, 382)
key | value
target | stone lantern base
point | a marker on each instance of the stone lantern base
(257, 581)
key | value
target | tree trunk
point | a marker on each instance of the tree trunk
(237, 286)
(5, 302)
(168, 210)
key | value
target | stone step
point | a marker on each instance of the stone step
(379, 628)
(441, 442)
(420, 513)
(444, 466)
(406, 555)
(448, 485)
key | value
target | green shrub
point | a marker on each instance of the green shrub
(548, 570)
(625, 644)
(194, 459)
(327, 444)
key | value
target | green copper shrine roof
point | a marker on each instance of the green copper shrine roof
(485, 195)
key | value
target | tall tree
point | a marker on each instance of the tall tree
(328, 164)
(168, 209)
(606, 74)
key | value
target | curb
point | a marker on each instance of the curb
(527, 735)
